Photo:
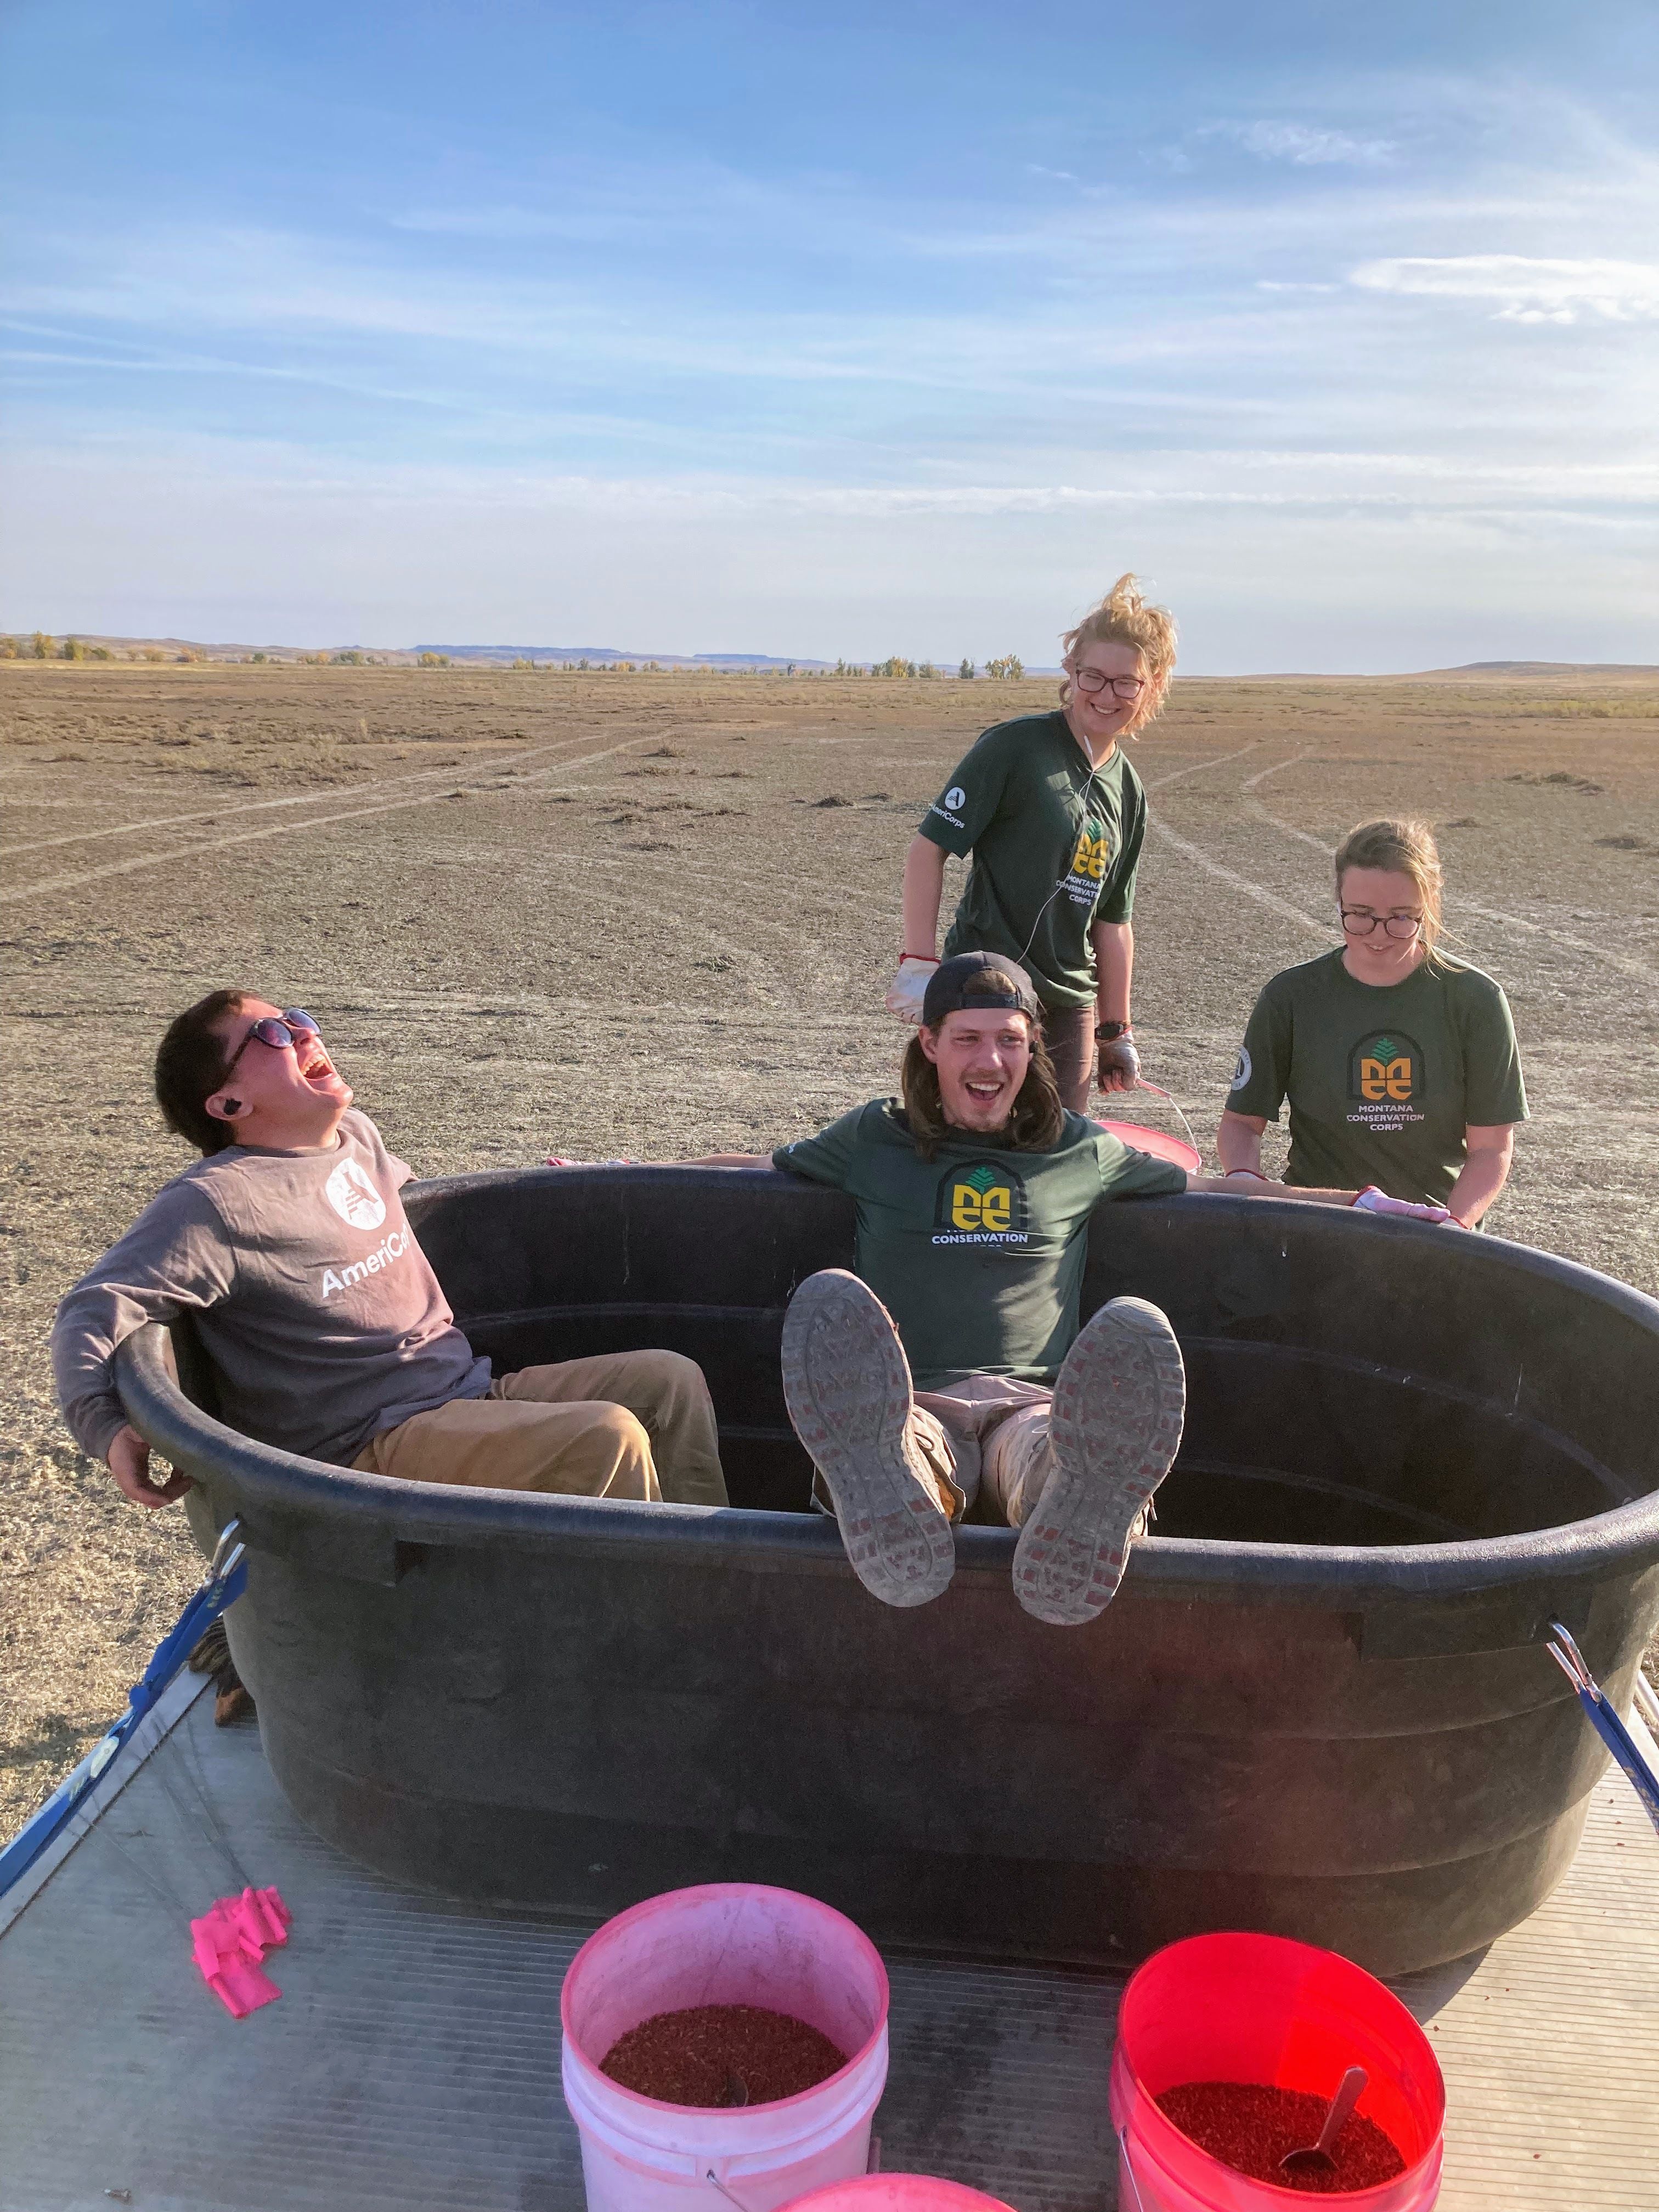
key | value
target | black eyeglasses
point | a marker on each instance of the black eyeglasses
(278, 1033)
(1358, 922)
(1096, 679)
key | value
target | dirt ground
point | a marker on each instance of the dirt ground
(655, 915)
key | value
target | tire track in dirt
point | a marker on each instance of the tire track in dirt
(1640, 970)
(1196, 856)
(1197, 767)
(1199, 858)
(263, 805)
(40, 889)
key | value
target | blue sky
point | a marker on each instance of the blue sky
(849, 330)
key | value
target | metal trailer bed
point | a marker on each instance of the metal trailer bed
(413, 2059)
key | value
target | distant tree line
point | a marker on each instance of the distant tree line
(39, 646)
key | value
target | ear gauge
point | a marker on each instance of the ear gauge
(230, 1106)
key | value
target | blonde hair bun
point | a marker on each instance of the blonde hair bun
(1125, 616)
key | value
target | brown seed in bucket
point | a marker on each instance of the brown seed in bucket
(1249, 2126)
(694, 2056)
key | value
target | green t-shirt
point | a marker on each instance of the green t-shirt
(1382, 1080)
(1055, 846)
(977, 1253)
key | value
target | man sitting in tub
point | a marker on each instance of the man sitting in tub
(951, 1373)
(326, 1327)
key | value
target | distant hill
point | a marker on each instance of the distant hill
(106, 648)
(1498, 670)
(1549, 668)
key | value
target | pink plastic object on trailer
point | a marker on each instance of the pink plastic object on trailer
(229, 1942)
(723, 1943)
(1238, 2008)
(898, 2193)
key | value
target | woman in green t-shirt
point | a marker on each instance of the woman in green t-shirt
(1400, 1063)
(1053, 816)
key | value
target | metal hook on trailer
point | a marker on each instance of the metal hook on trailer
(229, 1552)
(1605, 1718)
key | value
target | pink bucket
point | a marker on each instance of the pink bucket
(724, 1943)
(898, 2193)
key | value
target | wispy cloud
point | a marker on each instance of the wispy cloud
(836, 328)
(1528, 291)
(1304, 145)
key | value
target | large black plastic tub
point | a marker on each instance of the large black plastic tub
(1319, 1704)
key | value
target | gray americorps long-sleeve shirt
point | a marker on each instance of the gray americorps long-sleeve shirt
(318, 1308)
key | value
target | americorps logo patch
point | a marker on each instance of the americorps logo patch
(1243, 1071)
(955, 799)
(351, 1191)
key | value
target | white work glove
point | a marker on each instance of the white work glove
(908, 988)
(1117, 1064)
(1373, 1200)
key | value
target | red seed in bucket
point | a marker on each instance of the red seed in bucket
(1249, 2126)
(699, 2057)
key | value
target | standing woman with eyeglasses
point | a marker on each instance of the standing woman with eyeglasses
(1053, 816)
(1400, 1063)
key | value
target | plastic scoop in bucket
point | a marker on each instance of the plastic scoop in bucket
(1315, 2157)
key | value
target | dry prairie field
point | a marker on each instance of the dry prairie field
(652, 915)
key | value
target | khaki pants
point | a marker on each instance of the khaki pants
(985, 1442)
(634, 1424)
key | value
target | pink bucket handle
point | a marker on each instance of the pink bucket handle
(1141, 1083)
(1128, 2172)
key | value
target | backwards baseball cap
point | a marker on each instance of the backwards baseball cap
(974, 980)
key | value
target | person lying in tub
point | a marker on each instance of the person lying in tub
(949, 1373)
(327, 1329)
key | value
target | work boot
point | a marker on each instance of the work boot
(232, 1700)
(847, 1383)
(1114, 1430)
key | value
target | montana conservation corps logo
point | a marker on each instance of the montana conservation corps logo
(1386, 1080)
(1090, 863)
(979, 1202)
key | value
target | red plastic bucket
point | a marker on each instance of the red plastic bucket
(896, 2192)
(1240, 2007)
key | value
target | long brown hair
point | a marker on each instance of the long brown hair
(1033, 1125)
